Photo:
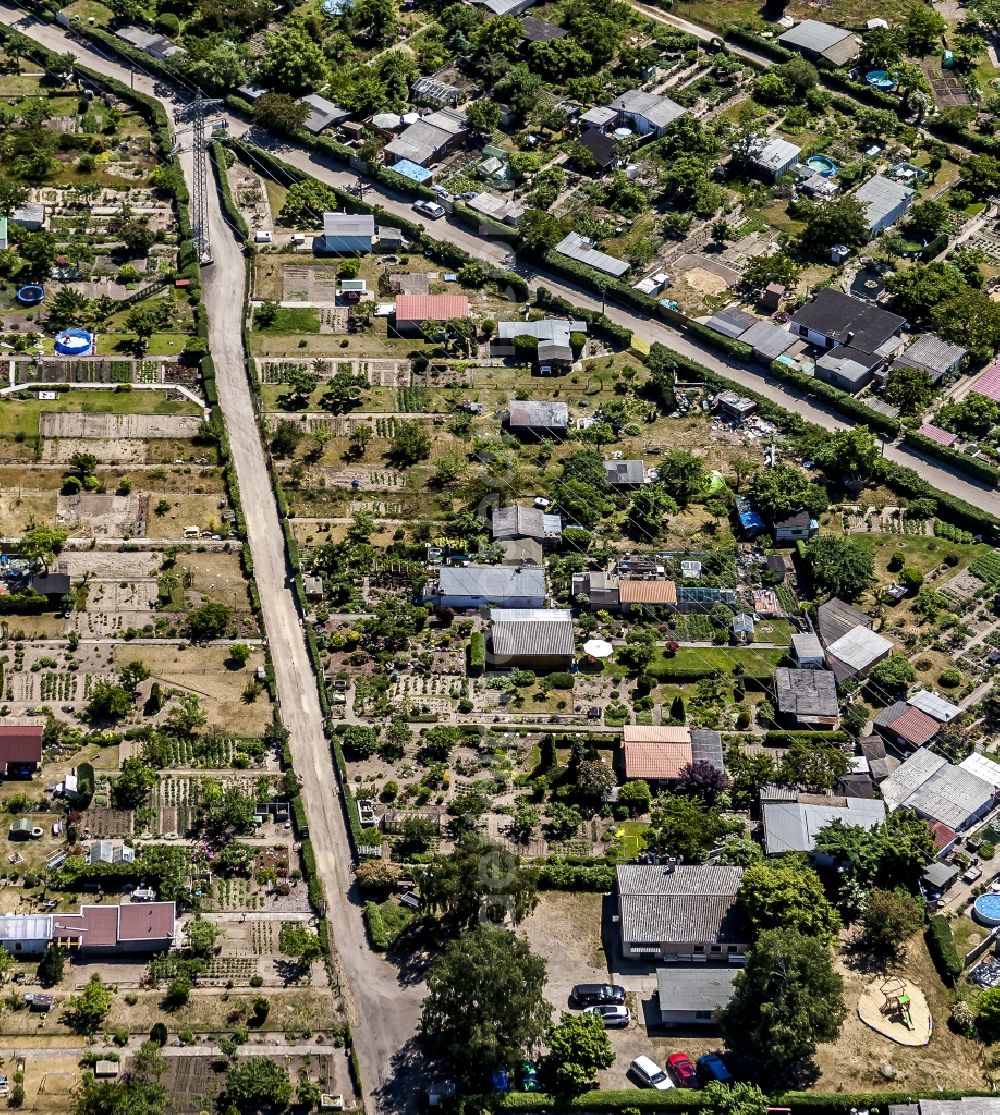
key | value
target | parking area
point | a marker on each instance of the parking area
(575, 935)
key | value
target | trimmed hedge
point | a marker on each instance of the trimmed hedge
(776, 739)
(739, 349)
(941, 946)
(230, 209)
(477, 652)
(564, 876)
(838, 400)
(377, 934)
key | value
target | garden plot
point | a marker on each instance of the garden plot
(115, 606)
(99, 821)
(131, 566)
(367, 479)
(21, 507)
(91, 515)
(310, 284)
(114, 427)
(217, 576)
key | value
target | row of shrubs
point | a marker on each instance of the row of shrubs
(377, 935)
(951, 533)
(981, 469)
(230, 209)
(941, 946)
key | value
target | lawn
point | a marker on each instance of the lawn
(691, 659)
(19, 417)
(290, 320)
(632, 835)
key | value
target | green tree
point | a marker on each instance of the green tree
(786, 1001)
(928, 219)
(814, 766)
(108, 701)
(86, 1011)
(12, 195)
(133, 674)
(239, 653)
(881, 47)
(221, 68)
(42, 543)
(578, 1048)
(279, 112)
(137, 1091)
(853, 452)
(841, 566)
(970, 318)
(781, 491)
(648, 510)
(134, 782)
(202, 937)
(208, 621)
(376, 20)
(258, 1084)
(923, 28)
(888, 920)
(51, 966)
(842, 221)
(300, 943)
(682, 474)
(38, 252)
(483, 116)
(909, 389)
(779, 267)
(920, 289)
(293, 61)
(540, 231)
(787, 894)
(484, 1004)
(894, 673)
(459, 886)
(974, 415)
(410, 444)
(683, 826)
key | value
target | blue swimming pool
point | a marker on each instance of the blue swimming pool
(824, 167)
(986, 909)
(880, 79)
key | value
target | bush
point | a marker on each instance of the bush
(477, 652)
(377, 934)
(562, 680)
(563, 876)
(168, 23)
(941, 946)
(950, 678)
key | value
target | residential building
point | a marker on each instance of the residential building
(480, 586)
(422, 142)
(939, 790)
(142, 927)
(415, 310)
(693, 996)
(885, 201)
(537, 637)
(323, 114)
(806, 698)
(20, 746)
(676, 913)
(525, 522)
(600, 116)
(793, 825)
(906, 726)
(847, 368)
(635, 593)
(731, 322)
(799, 526)
(648, 113)
(773, 157)
(817, 40)
(854, 654)
(523, 551)
(538, 417)
(983, 768)
(767, 341)
(930, 354)
(346, 234)
(506, 7)
(503, 209)
(807, 651)
(832, 318)
(625, 474)
(598, 587)
(880, 763)
(935, 705)
(554, 352)
(582, 250)
(603, 147)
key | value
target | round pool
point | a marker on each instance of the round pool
(880, 79)
(986, 909)
(824, 167)
(30, 295)
(74, 342)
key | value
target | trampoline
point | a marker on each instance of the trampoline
(30, 295)
(74, 342)
(880, 79)
(823, 166)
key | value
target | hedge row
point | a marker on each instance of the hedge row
(779, 739)
(316, 897)
(230, 209)
(377, 934)
(954, 458)
(941, 946)
(746, 37)
(738, 349)
(477, 652)
(836, 399)
(564, 876)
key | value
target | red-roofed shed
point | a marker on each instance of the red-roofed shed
(988, 383)
(20, 746)
(412, 310)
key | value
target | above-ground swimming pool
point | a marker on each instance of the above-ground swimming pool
(880, 79)
(74, 342)
(824, 167)
(986, 909)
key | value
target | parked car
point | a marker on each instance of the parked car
(614, 1016)
(681, 1065)
(429, 209)
(598, 994)
(650, 1075)
(712, 1067)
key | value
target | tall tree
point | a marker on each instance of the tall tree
(841, 566)
(461, 885)
(578, 1047)
(786, 893)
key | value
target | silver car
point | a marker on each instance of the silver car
(615, 1017)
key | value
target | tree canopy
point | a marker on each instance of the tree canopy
(786, 893)
(841, 566)
(578, 1047)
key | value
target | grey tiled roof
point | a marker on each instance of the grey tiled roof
(683, 904)
(530, 632)
(806, 693)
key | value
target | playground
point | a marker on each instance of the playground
(896, 1009)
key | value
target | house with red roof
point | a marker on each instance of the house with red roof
(415, 310)
(20, 747)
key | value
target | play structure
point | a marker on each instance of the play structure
(30, 295)
(897, 1009)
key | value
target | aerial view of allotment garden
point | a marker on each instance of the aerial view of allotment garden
(499, 574)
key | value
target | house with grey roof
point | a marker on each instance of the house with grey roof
(155, 45)
(480, 586)
(693, 996)
(648, 113)
(806, 698)
(930, 354)
(515, 521)
(553, 335)
(582, 249)
(537, 416)
(346, 233)
(792, 826)
(938, 790)
(426, 140)
(885, 201)
(773, 157)
(542, 638)
(323, 113)
(681, 912)
(625, 474)
(817, 40)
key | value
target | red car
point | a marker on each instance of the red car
(681, 1065)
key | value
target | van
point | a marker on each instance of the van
(650, 1075)
(191, 532)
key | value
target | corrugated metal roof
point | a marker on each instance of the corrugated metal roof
(634, 591)
(859, 648)
(431, 307)
(880, 197)
(576, 247)
(541, 413)
(794, 826)
(982, 767)
(682, 904)
(935, 705)
(907, 778)
(492, 582)
(953, 796)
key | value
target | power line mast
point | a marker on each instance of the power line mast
(194, 113)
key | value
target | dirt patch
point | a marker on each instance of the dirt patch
(705, 282)
(103, 516)
(66, 424)
(20, 507)
(217, 576)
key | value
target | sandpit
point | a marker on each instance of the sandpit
(888, 1002)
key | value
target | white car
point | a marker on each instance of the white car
(614, 1017)
(649, 1074)
(429, 209)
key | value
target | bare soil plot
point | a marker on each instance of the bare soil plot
(191, 509)
(22, 506)
(202, 670)
(90, 515)
(61, 424)
(217, 576)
